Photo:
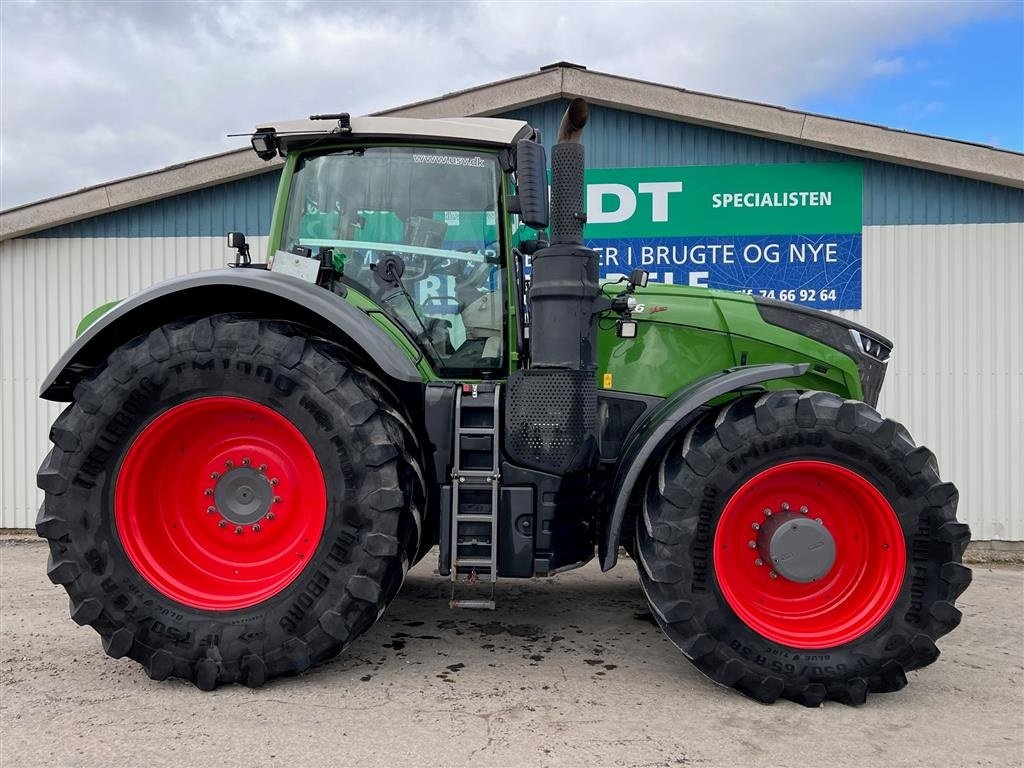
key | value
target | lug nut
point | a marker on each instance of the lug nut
(277, 499)
(246, 461)
(210, 510)
(773, 574)
(756, 526)
(767, 512)
(222, 523)
(759, 562)
(785, 506)
(818, 520)
(752, 544)
(262, 467)
(229, 464)
(208, 492)
(256, 528)
(273, 481)
(271, 515)
(238, 529)
(214, 475)
(803, 510)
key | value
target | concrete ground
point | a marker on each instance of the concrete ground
(568, 671)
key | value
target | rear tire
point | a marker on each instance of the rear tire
(848, 626)
(187, 571)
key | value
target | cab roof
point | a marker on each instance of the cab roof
(487, 131)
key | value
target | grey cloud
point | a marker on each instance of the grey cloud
(96, 91)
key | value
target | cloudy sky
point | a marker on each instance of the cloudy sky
(93, 91)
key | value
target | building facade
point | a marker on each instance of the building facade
(938, 249)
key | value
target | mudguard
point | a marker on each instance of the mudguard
(651, 433)
(257, 291)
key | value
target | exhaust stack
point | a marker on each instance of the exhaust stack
(552, 406)
(573, 122)
(567, 164)
(564, 283)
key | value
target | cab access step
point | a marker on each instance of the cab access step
(469, 537)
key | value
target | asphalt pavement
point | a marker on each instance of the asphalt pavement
(568, 671)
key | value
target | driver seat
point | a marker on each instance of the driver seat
(483, 320)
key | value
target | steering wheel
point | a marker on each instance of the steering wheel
(424, 262)
(442, 300)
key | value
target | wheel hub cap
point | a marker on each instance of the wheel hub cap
(799, 549)
(243, 496)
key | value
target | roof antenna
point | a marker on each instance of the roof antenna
(344, 121)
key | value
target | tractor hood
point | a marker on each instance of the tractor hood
(760, 330)
(835, 330)
(869, 350)
(721, 308)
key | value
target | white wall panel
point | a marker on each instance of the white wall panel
(949, 295)
(952, 299)
(46, 286)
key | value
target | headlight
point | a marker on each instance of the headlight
(871, 346)
(264, 144)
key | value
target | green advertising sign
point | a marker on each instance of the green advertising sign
(805, 198)
(788, 232)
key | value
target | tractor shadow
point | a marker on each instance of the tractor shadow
(575, 626)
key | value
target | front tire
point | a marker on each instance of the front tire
(801, 546)
(230, 501)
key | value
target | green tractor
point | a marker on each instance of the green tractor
(253, 457)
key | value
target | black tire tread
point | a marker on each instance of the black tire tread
(394, 459)
(664, 533)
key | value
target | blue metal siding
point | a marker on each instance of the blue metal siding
(245, 206)
(619, 139)
(893, 194)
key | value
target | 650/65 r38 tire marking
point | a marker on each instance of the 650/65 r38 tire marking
(219, 503)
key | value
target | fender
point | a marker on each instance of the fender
(267, 294)
(652, 433)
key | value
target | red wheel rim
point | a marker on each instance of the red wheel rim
(220, 502)
(844, 602)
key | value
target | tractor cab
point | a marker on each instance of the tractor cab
(413, 216)
(415, 229)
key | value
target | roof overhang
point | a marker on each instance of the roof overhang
(131, 191)
(958, 158)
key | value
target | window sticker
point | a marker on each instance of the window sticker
(469, 162)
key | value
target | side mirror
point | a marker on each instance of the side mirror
(236, 240)
(530, 247)
(531, 202)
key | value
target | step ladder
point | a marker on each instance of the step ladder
(476, 481)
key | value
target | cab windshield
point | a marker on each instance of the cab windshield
(415, 229)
